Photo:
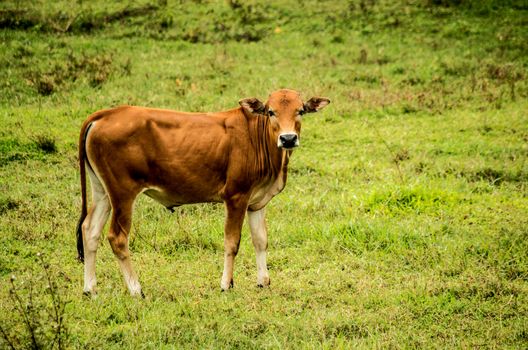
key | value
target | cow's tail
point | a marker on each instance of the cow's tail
(84, 204)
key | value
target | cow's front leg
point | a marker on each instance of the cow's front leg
(259, 236)
(235, 210)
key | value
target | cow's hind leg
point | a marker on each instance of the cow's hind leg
(233, 227)
(259, 236)
(118, 238)
(91, 228)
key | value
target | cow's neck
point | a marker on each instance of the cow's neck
(271, 161)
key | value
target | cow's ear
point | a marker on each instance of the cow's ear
(315, 103)
(252, 105)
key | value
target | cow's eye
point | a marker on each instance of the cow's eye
(271, 113)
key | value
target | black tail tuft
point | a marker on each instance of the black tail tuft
(80, 244)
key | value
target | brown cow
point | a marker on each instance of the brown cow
(239, 157)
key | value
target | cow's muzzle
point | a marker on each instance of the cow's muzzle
(288, 140)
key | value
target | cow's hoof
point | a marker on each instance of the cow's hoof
(89, 294)
(263, 282)
(225, 287)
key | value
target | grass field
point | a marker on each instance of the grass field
(404, 223)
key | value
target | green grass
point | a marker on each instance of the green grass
(404, 220)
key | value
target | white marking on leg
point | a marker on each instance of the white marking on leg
(92, 228)
(226, 280)
(130, 277)
(259, 236)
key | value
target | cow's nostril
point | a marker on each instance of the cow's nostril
(288, 140)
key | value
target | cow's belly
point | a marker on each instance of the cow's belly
(180, 178)
(173, 199)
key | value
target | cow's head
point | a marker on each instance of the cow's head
(285, 110)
